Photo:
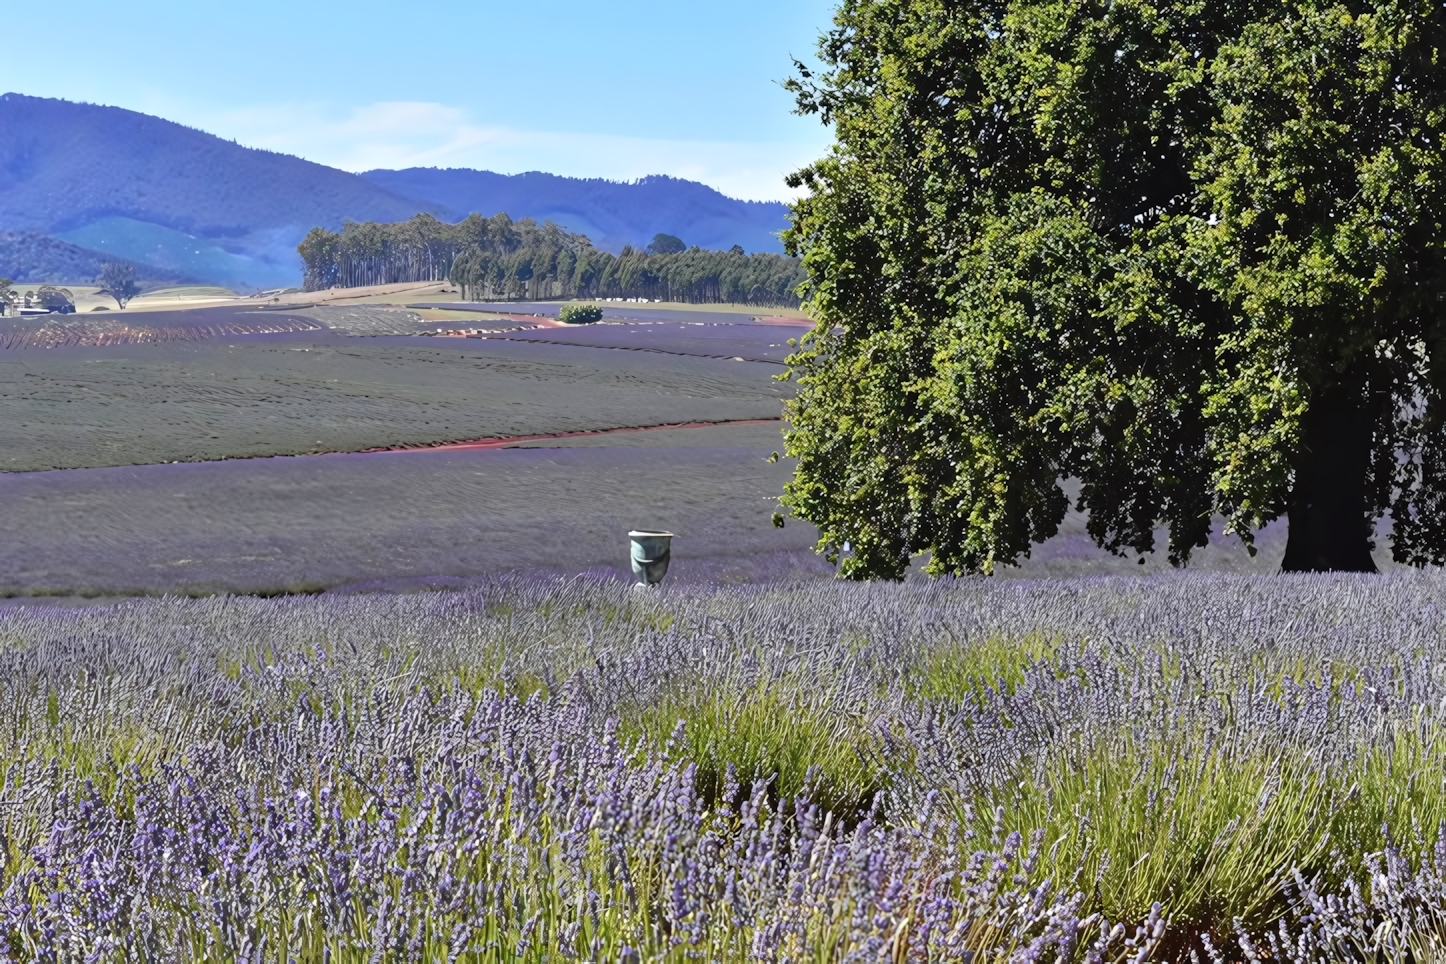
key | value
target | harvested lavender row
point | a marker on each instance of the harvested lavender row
(91, 333)
(1195, 767)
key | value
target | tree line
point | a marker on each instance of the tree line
(498, 258)
(49, 297)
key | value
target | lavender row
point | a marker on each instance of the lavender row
(536, 770)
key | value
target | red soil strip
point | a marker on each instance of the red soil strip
(498, 443)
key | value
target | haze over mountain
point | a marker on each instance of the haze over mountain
(190, 204)
(610, 213)
(28, 258)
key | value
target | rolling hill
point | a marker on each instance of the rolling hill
(29, 258)
(187, 203)
(98, 176)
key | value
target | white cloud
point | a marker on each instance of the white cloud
(418, 134)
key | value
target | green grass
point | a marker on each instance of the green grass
(966, 671)
(794, 736)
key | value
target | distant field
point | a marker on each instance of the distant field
(89, 297)
(179, 294)
(445, 518)
(201, 387)
(223, 398)
(404, 519)
(747, 342)
(631, 312)
(175, 297)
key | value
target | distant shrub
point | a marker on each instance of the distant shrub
(579, 314)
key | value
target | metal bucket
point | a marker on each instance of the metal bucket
(650, 552)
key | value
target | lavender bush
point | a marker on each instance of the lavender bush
(1187, 768)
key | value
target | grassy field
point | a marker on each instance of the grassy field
(224, 398)
(1188, 768)
(117, 399)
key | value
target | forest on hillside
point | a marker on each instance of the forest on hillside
(498, 258)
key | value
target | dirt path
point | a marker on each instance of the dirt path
(499, 443)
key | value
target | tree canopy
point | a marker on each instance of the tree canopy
(118, 280)
(666, 244)
(1189, 255)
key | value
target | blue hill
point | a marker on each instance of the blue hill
(189, 203)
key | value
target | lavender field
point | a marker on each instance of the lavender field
(1204, 767)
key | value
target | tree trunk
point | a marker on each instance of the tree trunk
(1329, 531)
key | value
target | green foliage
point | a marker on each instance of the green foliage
(1168, 251)
(523, 260)
(579, 314)
(319, 252)
(966, 672)
(1211, 834)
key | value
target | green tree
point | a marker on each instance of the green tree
(319, 251)
(1190, 255)
(118, 280)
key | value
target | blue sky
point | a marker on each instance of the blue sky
(616, 90)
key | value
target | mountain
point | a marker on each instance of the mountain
(64, 164)
(185, 202)
(28, 258)
(66, 168)
(610, 213)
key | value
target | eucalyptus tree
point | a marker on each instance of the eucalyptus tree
(118, 280)
(1188, 254)
(319, 256)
